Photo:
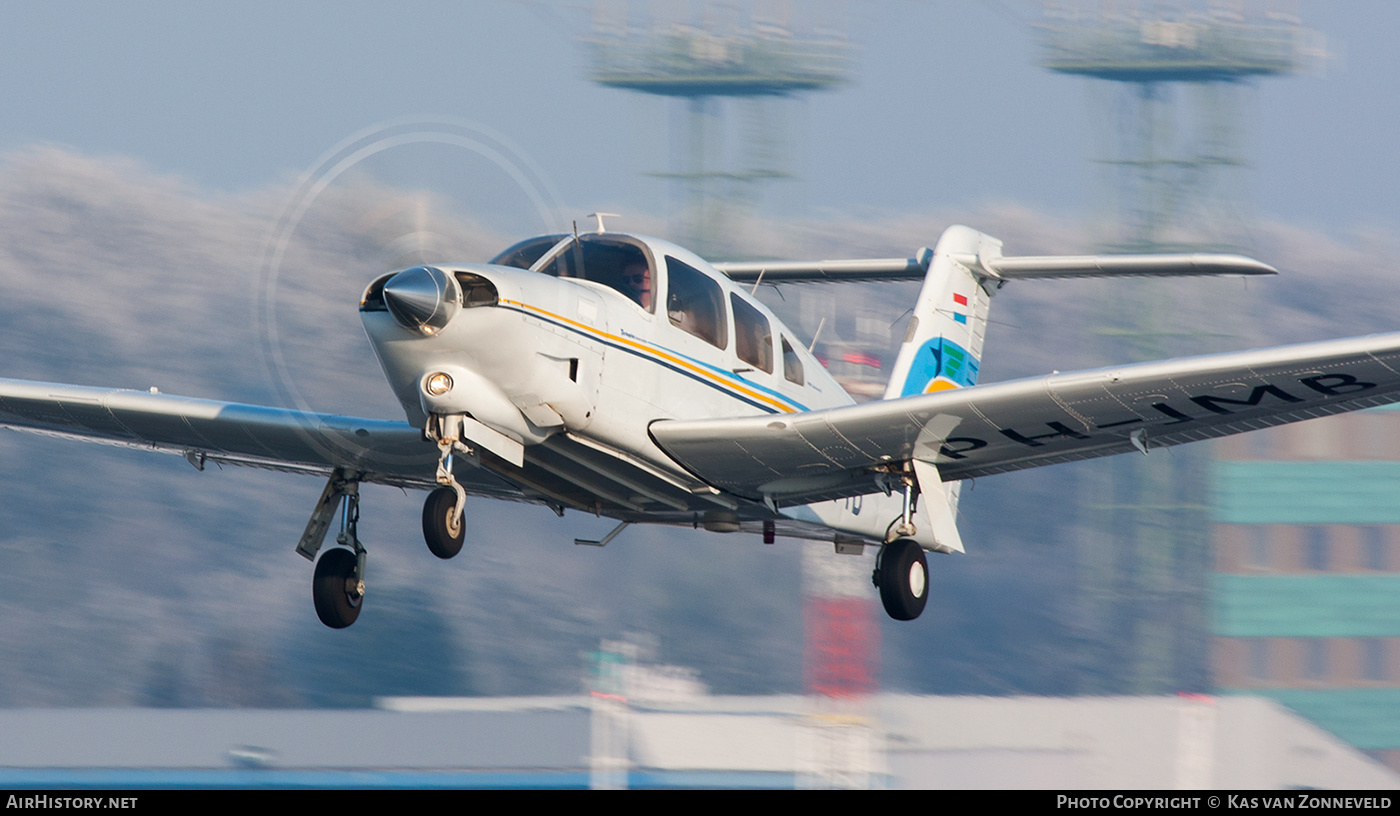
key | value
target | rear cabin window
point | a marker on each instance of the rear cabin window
(615, 263)
(753, 339)
(792, 364)
(694, 303)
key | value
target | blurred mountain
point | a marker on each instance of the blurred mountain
(129, 578)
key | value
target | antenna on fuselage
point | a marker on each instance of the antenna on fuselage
(599, 216)
(578, 252)
(815, 335)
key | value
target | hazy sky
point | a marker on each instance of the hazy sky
(947, 110)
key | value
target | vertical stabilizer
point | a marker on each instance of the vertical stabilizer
(943, 346)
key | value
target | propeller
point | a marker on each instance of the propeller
(423, 298)
(464, 176)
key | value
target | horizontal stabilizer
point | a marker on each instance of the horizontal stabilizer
(870, 269)
(1090, 266)
(997, 268)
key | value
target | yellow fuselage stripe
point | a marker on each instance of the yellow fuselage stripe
(668, 356)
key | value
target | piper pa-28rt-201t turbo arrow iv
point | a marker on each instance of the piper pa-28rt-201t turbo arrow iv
(626, 377)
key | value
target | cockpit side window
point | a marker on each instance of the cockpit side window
(792, 364)
(694, 303)
(753, 339)
(613, 262)
(524, 254)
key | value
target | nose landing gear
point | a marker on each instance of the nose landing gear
(444, 527)
(444, 513)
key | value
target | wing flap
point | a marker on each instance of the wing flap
(988, 429)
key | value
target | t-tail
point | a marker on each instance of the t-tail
(942, 346)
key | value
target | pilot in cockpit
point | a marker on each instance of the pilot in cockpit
(636, 283)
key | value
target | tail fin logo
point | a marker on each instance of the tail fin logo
(940, 365)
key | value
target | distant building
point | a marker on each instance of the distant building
(1306, 587)
(1153, 743)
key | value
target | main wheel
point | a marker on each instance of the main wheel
(335, 588)
(442, 528)
(901, 573)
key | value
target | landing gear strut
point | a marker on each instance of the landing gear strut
(338, 587)
(901, 573)
(444, 513)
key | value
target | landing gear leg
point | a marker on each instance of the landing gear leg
(901, 573)
(444, 526)
(906, 520)
(338, 587)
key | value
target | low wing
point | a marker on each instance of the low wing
(252, 435)
(988, 429)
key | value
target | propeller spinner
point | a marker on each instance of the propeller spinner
(423, 298)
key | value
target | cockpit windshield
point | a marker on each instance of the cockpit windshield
(612, 260)
(524, 254)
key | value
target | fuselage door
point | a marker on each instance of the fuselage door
(591, 315)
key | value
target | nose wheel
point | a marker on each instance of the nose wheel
(901, 573)
(444, 527)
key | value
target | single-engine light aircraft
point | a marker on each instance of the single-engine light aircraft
(623, 376)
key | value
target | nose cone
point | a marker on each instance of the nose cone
(423, 298)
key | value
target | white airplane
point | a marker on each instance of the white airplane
(623, 376)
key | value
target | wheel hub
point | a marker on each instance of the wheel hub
(918, 581)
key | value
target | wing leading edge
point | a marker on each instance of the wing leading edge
(987, 429)
(251, 435)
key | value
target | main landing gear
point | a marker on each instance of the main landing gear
(901, 573)
(338, 587)
(901, 569)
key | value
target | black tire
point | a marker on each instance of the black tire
(337, 599)
(437, 523)
(901, 573)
